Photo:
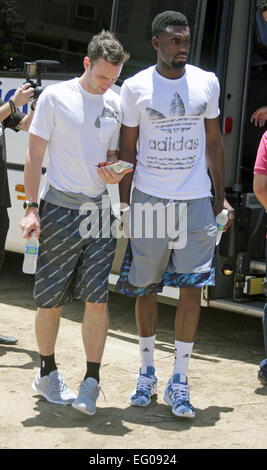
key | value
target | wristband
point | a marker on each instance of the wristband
(12, 106)
(32, 106)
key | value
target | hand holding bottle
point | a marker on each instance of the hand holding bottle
(221, 221)
(30, 255)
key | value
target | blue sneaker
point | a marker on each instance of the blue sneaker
(262, 374)
(146, 387)
(88, 394)
(177, 396)
(53, 388)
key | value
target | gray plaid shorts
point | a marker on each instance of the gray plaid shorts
(69, 265)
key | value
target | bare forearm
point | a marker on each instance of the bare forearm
(32, 177)
(126, 184)
(33, 166)
(215, 161)
(127, 152)
(5, 111)
(25, 122)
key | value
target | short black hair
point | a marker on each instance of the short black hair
(167, 18)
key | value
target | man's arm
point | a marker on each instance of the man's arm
(260, 189)
(215, 161)
(32, 177)
(127, 152)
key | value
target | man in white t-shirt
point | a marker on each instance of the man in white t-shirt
(170, 115)
(78, 122)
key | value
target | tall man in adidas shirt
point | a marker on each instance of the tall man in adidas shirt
(78, 121)
(171, 111)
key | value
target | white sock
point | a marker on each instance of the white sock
(182, 356)
(146, 346)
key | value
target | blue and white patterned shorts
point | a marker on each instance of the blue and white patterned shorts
(150, 263)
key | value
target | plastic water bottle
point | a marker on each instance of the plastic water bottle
(30, 255)
(221, 220)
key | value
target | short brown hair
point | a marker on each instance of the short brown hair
(106, 46)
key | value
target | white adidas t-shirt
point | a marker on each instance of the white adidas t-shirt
(170, 114)
(80, 128)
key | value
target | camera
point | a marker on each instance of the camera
(33, 71)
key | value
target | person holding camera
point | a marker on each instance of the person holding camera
(12, 118)
(78, 122)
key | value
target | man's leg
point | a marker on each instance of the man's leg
(186, 323)
(94, 333)
(146, 312)
(46, 329)
(58, 257)
(48, 382)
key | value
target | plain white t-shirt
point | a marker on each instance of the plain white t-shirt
(80, 128)
(170, 114)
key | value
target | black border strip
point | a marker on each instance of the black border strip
(20, 167)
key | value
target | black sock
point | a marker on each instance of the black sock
(92, 370)
(47, 364)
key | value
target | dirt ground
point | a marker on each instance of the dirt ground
(231, 411)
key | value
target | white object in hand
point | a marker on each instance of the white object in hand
(30, 255)
(221, 220)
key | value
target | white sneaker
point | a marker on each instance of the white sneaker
(177, 396)
(146, 387)
(88, 394)
(53, 388)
